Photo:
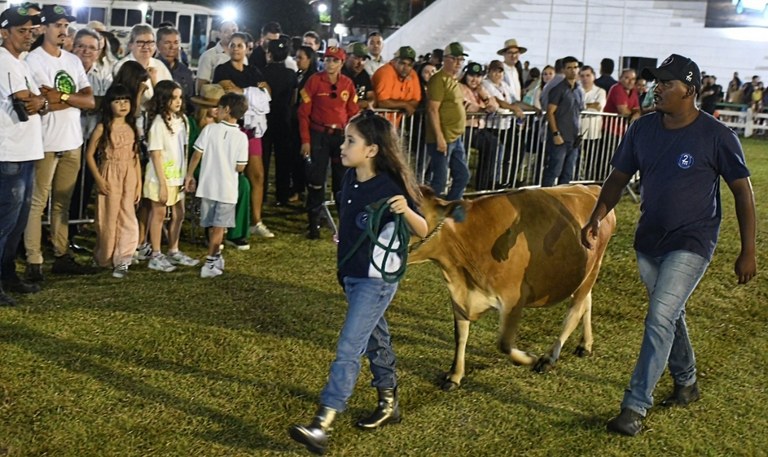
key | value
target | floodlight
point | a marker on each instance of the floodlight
(229, 13)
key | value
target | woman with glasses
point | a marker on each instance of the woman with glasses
(328, 101)
(142, 47)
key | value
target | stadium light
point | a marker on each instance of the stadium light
(229, 13)
(322, 8)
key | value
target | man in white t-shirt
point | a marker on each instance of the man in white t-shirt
(62, 80)
(375, 48)
(596, 166)
(21, 142)
(215, 56)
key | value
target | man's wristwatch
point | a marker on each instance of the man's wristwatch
(64, 98)
(555, 133)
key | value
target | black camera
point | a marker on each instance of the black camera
(18, 106)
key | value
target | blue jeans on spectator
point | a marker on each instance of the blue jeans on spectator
(669, 279)
(16, 185)
(365, 331)
(561, 163)
(454, 159)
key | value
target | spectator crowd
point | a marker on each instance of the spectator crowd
(143, 121)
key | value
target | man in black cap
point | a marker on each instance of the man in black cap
(681, 153)
(21, 142)
(354, 68)
(63, 82)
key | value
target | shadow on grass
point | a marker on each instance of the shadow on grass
(233, 431)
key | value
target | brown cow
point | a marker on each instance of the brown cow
(513, 250)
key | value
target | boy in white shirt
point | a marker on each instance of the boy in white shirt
(223, 149)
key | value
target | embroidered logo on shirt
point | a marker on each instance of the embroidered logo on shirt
(64, 83)
(345, 95)
(361, 220)
(685, 161)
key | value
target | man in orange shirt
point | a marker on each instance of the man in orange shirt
(396, 84)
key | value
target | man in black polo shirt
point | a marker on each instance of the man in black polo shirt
(354, 68)
(566, 100)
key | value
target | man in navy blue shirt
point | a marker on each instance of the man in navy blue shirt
(564, 104)
(681, 153)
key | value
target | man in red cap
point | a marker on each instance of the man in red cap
(328, 100)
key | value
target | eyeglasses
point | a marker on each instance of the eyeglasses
(83, 47)
(333, 88)
(145, 44)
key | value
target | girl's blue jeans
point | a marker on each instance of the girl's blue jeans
(365, 331)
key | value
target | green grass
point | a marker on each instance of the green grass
(171, 365)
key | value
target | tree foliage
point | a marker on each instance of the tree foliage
(369, 12)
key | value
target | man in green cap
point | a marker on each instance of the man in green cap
(354, 68)
(396, 84)
(446, 119)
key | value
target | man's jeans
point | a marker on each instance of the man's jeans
(561, 163)
(454, 159)
(366, 332)
(16, 183)
(669, 280)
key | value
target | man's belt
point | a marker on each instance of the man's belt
(333, 129)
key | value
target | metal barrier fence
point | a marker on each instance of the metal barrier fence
(504, 152)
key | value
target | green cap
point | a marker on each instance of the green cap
(455, 49)
(406, 52)
(359, 50)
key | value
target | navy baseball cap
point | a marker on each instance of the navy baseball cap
(52, 13)
(676, 68)
(16, 16)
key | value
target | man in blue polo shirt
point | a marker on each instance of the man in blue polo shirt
(681, 153)
(565, 102)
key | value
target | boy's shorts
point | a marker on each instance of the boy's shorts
(216, 214)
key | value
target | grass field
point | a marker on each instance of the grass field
(171, 365)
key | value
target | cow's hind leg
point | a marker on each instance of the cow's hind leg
(584, 348)
(460, 335)
(580, 303)
(510, 322)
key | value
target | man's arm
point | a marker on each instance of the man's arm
(433, 113)
(556, 138)
(746, 264)
(82, 99)
(610, 194)
(408, 106)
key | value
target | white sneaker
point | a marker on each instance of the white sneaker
(219, 262)
(210, 270)
(161, 263)
(120, 271)
(261, 230)
(179, 258)
(143, 252)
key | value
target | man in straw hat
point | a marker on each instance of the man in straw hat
(513, 69)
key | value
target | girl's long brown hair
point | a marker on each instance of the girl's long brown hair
(377, 130)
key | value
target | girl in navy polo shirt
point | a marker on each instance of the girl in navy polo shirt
(378, 172)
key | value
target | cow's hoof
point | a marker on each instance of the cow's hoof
(544, 364)
(581, 351)
(449, 386)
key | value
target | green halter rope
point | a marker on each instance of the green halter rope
(376, 212)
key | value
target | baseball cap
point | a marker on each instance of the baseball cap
(455, 49)
(474, 68)
(52, 13)
(358, 49)
(335, 51)
(16, 16)
(406, 52)
(676, 68)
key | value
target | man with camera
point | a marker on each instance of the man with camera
(62, 80)
(21, 142)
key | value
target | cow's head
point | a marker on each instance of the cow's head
(436, 210)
